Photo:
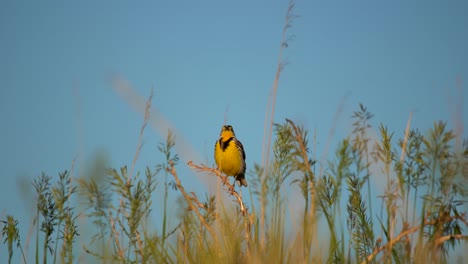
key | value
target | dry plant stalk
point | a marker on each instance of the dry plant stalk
(406, 232)
(140, 138)
(405, 141)
(135, 158)
(442, 239)
(270, 112)
(140, 246)
(30, 233)
(230, 189)
(224, 181)
(116, 236)
(137, 234)
(305, 157)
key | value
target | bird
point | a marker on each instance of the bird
(229, 155)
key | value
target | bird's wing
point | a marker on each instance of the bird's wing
(239, 145)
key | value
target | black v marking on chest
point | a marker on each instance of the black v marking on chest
(225, 144)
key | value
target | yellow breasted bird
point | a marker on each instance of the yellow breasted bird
(230, 156)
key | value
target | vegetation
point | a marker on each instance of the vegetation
(422, 213)
(421, 218)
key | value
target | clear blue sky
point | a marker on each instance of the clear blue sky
(204, 57)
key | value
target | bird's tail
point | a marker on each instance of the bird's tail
(241, 180)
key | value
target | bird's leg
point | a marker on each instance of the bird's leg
(231, 188)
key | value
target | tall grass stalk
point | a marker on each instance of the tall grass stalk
(270, 110)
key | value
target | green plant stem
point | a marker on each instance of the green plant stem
(408, 189)
(369, 195)
(46, 244)
(22, 254)
(37, 237)
(164, 224)
(56, 241)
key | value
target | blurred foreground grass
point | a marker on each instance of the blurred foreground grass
(421, 217)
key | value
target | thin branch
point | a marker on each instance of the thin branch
(197, 201)
(224, 181)
(442, 239)
(172, 231)
(390, 243)
(230, 188)
(404, 233)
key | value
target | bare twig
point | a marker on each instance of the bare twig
(442, 239)
(406, 232)
(197, 201)
(390, 243)
(224, 181)
(248, 219)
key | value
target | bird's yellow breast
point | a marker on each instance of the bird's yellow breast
(230, 160)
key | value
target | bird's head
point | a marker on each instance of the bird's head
(227, 132)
